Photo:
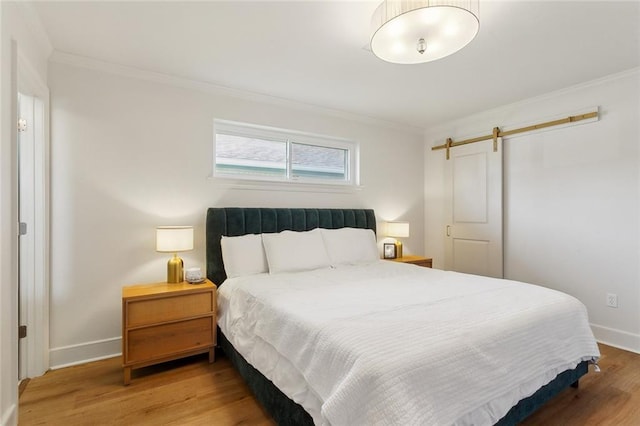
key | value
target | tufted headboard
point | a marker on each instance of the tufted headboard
(235, 221)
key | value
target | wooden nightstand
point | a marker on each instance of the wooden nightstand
(415, 260)
(162, 322)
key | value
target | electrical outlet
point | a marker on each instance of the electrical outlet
(612, 300)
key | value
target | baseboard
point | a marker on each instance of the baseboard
(66, 356)
(617, 338)
(10, 416)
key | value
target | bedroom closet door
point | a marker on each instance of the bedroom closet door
(33, 303)
(473, 179)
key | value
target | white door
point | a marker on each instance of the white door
(26, 212)
(473, 241)
(32, 293)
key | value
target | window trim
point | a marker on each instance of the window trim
(289, 137)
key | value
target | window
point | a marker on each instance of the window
(248, 151)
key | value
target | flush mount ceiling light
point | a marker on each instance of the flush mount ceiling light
(416, 31)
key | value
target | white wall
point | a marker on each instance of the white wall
(20, 41)
(571, 199)
(129, 154)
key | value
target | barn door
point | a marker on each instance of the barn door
(473, 241)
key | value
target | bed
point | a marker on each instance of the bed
(319, 397)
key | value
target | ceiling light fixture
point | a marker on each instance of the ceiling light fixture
(416, 31)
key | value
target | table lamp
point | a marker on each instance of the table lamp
(173, 239)
(398, 230)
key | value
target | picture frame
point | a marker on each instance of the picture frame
(389, 251)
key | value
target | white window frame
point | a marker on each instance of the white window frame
(289, 137)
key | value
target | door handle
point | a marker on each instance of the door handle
(448, 230)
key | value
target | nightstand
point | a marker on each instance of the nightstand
(415, 260)
(162, 322)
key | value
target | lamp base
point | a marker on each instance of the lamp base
(398, 249)
(175, 270)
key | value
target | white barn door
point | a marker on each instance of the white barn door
(473, 241)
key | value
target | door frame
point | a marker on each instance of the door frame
(34, 358)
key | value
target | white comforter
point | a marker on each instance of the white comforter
(391, 343)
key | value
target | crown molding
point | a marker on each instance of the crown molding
(576, 87)
(217, 89)
(432, 133)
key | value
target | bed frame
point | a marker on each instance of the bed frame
(241, 221)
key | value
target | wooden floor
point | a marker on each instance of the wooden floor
(194, 392)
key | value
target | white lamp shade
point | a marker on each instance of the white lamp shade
(398, 229)
(417, 31)
(172, 239)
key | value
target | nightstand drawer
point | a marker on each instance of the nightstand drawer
(151, 311)
(427, 262)
(162, 322)
(158, 341)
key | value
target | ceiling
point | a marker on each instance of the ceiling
(315, 52)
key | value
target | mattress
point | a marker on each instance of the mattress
(390, 343)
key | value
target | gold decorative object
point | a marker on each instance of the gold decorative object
(174, 239)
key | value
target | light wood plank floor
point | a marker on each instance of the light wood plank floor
(193, 392)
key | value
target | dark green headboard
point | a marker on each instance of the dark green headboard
(235, 221)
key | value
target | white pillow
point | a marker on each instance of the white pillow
(243, 255)
(290, 251)
(350, 246)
